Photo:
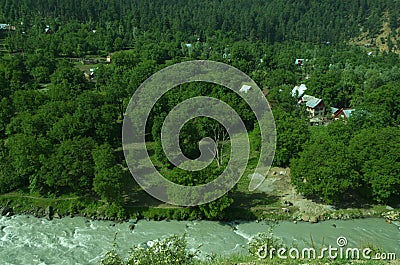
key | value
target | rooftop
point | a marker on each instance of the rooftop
(313, 102)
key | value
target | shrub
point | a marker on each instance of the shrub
(261, 240)
(171, 250)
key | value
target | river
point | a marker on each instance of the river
(29, 240)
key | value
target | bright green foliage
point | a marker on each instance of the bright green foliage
(6, 112)
(68, 82)
(263, 242)
(108, 180)
(292, 134)
(324, 169)
(71, 168)
(170, 250)
(377, 158)
(382, 105)
(162, 251)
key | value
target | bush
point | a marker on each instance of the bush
(171, 250)
(116, 211)
(264, 241)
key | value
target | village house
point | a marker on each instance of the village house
(48, 30)
(6, 27)
(316, 109)
(314, 106)
(245, 89)
(343, 113)
(299, 62)
(298, 91)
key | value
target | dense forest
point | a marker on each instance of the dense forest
(61, 132)
(119, 24)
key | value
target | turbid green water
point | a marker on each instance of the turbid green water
(28, 240)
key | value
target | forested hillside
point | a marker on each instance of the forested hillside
(62, 104)
(120, 22)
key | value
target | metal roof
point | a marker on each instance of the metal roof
(348, 112)
(313, 102)
(299, 90)
(245, 88)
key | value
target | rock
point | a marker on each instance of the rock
(389, 208)
(313, 219)
(57, 215)
(131, 227)
(305, 218)
(285, 210)
(295, 222)
(287, 203)
(48, 212)
(6, 211)
(9, 214)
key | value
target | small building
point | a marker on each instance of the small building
(108, 59)
(299, 91)
(7, 27)
(343, 113)
(305, 98)
(316, 108)
(48, 30)
(299, 62)
(245, 88)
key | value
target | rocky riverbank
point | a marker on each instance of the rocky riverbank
(288, 213)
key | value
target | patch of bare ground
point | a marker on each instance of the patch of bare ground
(386, 39)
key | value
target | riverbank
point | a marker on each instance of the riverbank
(20, 204)
(274, 200)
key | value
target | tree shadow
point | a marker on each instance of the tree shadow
(248, 200)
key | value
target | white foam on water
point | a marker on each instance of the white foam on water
(242, 234)
(69, 241)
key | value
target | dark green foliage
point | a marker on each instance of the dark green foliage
(324, 169)
(292, 134)
(108, 180)
(377, 158)
(70, 169)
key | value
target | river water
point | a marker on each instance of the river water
(29, 240)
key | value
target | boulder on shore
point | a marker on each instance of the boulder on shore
(49, 212)
(313, 219)
(6, 211)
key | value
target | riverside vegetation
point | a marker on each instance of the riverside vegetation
(60, 133)
(173, 250)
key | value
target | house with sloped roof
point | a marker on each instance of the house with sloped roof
(343, 113)
(316, 109)
(299, 62)
(245, 88)
(6, 27)
(299, 91)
